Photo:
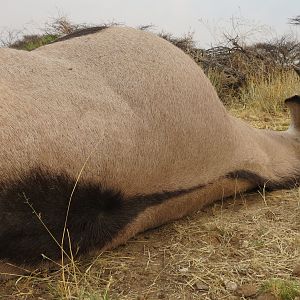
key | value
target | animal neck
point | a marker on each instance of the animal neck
(271, 155)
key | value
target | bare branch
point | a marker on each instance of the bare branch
(295, 20)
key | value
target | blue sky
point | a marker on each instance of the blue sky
(207, 19)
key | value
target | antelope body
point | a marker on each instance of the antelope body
(112, 133)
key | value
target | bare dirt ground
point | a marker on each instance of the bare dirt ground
(223, 252)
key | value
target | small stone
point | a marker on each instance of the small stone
(200, 286)
(243, 271)
(247, 290)
(231, 286)
(296, 271)
(184, 270)
(245, 244)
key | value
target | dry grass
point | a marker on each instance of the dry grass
(283, 289)
(265, 95)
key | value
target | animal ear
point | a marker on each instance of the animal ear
(297, 70)
(293, 103)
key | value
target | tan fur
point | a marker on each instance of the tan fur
(141, 115)
(177, 208)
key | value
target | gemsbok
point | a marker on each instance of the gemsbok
(105, 135)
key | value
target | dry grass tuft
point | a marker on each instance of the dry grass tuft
(282, 289)
(266, 95)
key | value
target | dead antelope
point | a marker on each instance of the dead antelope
(108, 134)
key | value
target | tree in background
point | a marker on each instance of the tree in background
(295, 20)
